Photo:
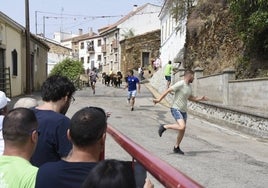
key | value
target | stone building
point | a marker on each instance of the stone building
(139, 51)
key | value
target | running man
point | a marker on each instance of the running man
(132, 84)
(183, 93)
(93, 79)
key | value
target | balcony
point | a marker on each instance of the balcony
(91, 50)
(103, 48)
(115, 44)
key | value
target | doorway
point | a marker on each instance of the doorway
(145, 59)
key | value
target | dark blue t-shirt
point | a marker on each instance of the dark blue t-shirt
(53, 143)
(63, 174)
(132, 83)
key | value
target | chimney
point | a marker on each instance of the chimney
(80, 31)
(90, 32)
(135, 7)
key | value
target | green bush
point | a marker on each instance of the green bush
(69, 68)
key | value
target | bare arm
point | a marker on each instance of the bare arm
(139, 87)
(196, 99)
(162, 96)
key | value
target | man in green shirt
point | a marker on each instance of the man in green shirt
(183, 93)
(20, 139)
(167, 72)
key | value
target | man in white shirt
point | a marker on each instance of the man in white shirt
(3, 111)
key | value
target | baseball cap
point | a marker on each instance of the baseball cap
(3, 99)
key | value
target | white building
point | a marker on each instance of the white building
(90, 51)
(139, 21)
(172, 39)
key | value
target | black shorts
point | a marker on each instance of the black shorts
(168, 78)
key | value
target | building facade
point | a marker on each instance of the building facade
(13, 58)
(139, 21)
(173, 36)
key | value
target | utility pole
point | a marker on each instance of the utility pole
(44, 24)
(28, 55)
(35, 13)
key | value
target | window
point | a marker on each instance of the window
(82, 45)
(88, 59)
(14, 62)
(115, 57)
(82, 59)
(99, 42)
(104, 60)
(116, 36)
(99, 57)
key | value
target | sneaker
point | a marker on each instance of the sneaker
(178, 150)
(161, 129)
(132, 108)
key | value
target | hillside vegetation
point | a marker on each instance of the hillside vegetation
(214, 41)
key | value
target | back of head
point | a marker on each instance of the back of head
(87, 126)
(169, 62)
(18, 126)
(55, 87)
(110, 173)
(26, 102)
(188, 72)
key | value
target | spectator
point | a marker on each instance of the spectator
(113, 174)
(20, 137)
(87, 134)
(53, 144)
(3, 111)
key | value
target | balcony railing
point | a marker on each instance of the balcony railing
(162, 171)
(115, 44)
(103, 48)
(91, 50)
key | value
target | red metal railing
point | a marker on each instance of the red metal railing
(162, 171)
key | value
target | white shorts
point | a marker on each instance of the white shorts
(132, 94)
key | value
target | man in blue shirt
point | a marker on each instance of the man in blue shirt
(132, 84)
(57, 95)
(87, 134)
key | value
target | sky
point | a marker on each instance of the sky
(51, 16)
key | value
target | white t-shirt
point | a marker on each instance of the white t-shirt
(182, 92)
(1, 135)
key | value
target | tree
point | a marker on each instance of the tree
(69, 68)
(251, 21)
(128, 33)
(179, 10)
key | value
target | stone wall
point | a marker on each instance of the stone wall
(226, 106)
(132, 49)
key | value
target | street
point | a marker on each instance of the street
(214, 156)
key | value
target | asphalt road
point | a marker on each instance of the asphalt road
(214, 156)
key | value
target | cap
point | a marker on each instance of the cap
(26, 102)
(3, 99)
